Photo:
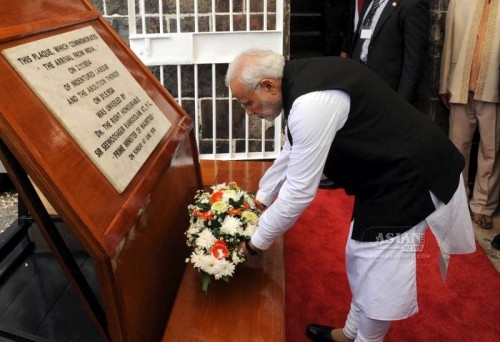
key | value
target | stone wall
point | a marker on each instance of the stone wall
(116, 12)
(431, 104)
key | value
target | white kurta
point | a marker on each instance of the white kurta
(382, 274)
(289, 186)
(294, 176)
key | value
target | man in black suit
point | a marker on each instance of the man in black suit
(392, 40)
(403, 170)
(394, 45)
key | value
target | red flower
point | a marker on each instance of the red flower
(220, 250)
(203, 215)
(234, 212)
(216, 196)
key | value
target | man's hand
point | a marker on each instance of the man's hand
(249, 250)
(259, 205)
(445, 99)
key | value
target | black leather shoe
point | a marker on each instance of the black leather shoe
(495, 243)
(327, 184)
(320, 333)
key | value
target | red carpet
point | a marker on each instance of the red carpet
(464, 308)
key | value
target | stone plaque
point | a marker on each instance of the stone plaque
(96, 99)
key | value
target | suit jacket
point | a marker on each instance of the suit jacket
(387, 153)
(462, 24)
(349, 25)
(399, 44)
(334, 21)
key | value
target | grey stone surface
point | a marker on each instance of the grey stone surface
(431, 104)
(8, 209)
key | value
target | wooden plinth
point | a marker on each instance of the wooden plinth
(251, 307)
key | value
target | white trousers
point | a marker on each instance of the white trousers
(360, 328)
(382, 274)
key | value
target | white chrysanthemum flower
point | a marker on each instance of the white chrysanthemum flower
(205, 239)
(218, 187)
(250, 229)
(196, 257)
(231, 194)
(237, 259)
(208, 263)
(225, 268)
(195, 228)
(231, 225)
(217, 268)
(203, 198)
(200, 224)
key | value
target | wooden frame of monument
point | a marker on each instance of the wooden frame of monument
(135, 235)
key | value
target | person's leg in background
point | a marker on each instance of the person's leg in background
(486, 190)
(463, 123)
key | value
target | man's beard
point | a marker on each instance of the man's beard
(271, 110)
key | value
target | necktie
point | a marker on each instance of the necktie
(360, 6)
(371, 13)
(367, 21)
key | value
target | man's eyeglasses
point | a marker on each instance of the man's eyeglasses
(248, 104)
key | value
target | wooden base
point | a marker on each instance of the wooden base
(246, 173)
(251, 307)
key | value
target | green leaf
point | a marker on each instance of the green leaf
(205, 281)
(237, 204)
(204, 206)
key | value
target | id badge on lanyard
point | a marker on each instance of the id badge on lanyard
(366, 34)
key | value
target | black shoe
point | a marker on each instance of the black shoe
(327, 184)
(495, 243)
(320, 333)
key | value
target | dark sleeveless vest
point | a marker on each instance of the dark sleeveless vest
(388, 154)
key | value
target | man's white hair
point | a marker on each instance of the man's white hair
(253, 65)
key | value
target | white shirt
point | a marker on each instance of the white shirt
(376, 16)
(294, 176)
(357, 10)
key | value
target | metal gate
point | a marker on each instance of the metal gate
(188, 44)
